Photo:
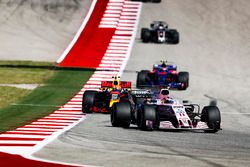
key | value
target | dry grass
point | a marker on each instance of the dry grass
(11, 75)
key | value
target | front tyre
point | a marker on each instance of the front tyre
(183, 78)
(145, 35)
(147, 117)
(142, 79)
(211, 115)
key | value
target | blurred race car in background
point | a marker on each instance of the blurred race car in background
(163, 75)
(110, 93)
(159, 33)
(161, 111)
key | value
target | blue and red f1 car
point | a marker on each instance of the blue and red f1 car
(163, 75)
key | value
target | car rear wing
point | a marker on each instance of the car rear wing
(123, 84)
(106, 84)
(126, 84)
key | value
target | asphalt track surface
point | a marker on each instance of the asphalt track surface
(39, 30)
(214, 48)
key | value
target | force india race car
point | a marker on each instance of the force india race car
(163, 75)
(110, 93)
(162, 112)
(159, 33)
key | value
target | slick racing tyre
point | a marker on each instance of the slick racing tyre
(183, 78)
(88, 101)
(173, 36)
(146, 118)
(121, 114)
(142, 79)
(211, 115)
(156, 1)
(145, 35)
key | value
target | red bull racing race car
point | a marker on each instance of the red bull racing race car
(110, 93)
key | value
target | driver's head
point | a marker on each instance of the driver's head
(164, 64)
(164, 94)
(115, 83)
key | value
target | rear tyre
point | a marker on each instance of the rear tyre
(145, 35)
(183, 78)
(121, 114)
(147, 118)
(88, 101)
(174, 36)
(156, 1)
(142, 79)
(211, 115)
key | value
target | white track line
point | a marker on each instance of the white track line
(21, 136)
(62, 121)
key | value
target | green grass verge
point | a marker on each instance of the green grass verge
(11, 94)
(56, 91)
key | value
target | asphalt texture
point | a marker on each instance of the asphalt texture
(39, 30)
(214, 48)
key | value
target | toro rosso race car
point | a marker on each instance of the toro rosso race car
(110, 93)
(163, 75)
(159, 33)
(163, 112)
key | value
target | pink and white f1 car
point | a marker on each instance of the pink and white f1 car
(163, 112)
